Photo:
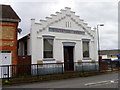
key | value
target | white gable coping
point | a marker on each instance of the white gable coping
(62, 15)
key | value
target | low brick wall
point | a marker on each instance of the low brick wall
(24, 65)
(103, 65)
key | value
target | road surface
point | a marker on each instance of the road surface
(99, 81)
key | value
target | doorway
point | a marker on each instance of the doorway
(68, 58)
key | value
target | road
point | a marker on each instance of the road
(99, 81)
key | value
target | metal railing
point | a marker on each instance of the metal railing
(13, 71)
(86, 66)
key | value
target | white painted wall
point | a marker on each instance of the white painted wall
(78, 52)
(59, 21)
(28, 46)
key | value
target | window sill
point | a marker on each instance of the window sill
(48, 59)
(87, 58)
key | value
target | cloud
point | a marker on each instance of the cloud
(96, 13)
(92, 12)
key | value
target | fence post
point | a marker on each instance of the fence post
(118, 65)
(82, 67)
(62, 68)
(99, 65)
(111, 65)
(37, 70)
(12, 71)
(95, 67)
(30, 65)
(8, 73)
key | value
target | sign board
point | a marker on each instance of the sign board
(60, 30)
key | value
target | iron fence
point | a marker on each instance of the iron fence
(13, 71)
(86, 66)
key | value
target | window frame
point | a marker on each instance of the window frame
(49, 38)
(87, 41)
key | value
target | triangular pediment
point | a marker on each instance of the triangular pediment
(63, 16)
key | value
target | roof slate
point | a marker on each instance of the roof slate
(8, 14)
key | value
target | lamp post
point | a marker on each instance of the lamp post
(99, 58)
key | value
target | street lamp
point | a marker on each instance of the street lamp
(99, 57)
(98, 38)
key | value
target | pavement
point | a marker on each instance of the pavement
(109, 80)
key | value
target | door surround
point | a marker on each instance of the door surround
(68, 53)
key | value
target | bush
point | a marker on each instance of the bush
(84, 75)
(6, 82)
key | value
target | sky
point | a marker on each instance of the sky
(93, 12)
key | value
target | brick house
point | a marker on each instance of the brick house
(9, 21)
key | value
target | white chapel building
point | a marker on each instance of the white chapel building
(62, 37)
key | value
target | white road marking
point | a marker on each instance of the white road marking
(102, 82)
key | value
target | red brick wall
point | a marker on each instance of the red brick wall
(24, 67)
(24, 60)
(8, 38)
(103, 65)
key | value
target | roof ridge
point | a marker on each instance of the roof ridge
(8, 14)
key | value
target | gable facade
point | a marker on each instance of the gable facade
(63, 37)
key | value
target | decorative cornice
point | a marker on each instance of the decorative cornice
(67, 8)
(72, 12)
(89, 28)
(74, 18)
(53, 15)
(81, 19)
(43, 21)
(38, 23)
(62, 10)
(48, 17)
(77, 16)
(67, 39)
(85, 23)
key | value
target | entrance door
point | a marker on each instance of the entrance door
(68, 58)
